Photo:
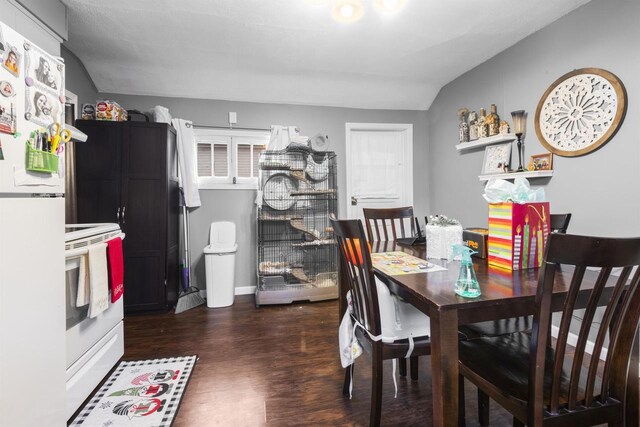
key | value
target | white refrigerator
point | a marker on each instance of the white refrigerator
(32, 265)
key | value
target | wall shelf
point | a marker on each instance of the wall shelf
(512, 175)
(482, 142)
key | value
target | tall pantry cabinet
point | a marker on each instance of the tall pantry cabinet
(127, 172)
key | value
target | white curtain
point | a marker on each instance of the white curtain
(187, 162)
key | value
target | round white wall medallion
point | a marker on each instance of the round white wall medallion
(580, 112)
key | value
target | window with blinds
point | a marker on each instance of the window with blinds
(227, 158)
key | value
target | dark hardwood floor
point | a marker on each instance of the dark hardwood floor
(278, 366)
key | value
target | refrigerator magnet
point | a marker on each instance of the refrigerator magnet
(11, 61)
(7, 116)
(6, 89)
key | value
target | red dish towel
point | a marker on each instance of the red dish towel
(116, 268)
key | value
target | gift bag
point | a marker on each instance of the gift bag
(518, 234)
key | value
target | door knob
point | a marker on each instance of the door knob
(354, 201)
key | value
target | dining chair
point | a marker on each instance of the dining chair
(385, 224)
(387, 327)
(558, 224)
(550, 383)
(388, 223)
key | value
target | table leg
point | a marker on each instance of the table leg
(444, 367)
(632, 418)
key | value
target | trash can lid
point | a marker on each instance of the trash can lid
(222, 233)
(221, 249)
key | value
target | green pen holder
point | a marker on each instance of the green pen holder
(41, 161)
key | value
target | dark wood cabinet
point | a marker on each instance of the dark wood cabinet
(126, 172)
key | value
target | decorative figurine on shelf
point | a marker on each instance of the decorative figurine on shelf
(483, 129)
(504, 127)
(463, 127)
(531, 167)
(473, 126)
(493, 121)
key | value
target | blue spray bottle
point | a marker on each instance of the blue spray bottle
(467, 284)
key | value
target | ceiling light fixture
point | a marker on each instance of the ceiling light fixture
(347, 11)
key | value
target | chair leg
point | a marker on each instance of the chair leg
(348, 374)
(517, 423)
(413, 362)
(376, 386)
(483, 408)
(402, 364)
(461, 411)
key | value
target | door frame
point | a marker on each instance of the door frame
(406, 130)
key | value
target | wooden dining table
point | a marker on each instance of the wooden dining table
(505, 294)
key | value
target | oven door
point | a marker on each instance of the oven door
(84, 332)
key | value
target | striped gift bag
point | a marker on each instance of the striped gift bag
(517, 234)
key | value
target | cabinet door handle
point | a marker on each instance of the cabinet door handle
(123, 209)
(118, 215)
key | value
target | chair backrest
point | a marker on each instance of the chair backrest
(385, 223)
(559, 222)
(356, 258)
(619, 321)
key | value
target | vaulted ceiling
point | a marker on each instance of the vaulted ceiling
(289, 51)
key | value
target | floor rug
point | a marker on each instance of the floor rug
(143, 393)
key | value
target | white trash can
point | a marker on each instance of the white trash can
(220, 262)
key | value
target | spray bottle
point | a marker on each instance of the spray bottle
(467, 284)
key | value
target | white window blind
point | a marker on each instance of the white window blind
(244, 160)
(221, 160)
(229, 159)
(205, 167)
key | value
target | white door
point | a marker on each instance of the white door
(379, 166)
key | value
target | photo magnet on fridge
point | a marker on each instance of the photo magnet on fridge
(44, 79)
(11, 60)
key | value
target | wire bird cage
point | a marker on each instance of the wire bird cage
(297, 254)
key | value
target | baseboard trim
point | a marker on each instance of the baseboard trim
(245, 290)
(572, 339)
(239, 290)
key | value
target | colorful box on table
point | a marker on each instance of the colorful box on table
(518, 234)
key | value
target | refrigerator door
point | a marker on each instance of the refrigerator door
(32, 312)
(31, 100)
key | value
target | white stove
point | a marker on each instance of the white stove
(93, 345)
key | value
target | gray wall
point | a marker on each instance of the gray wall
(601, 188)
(52, 12)
(237, 205)
(35, 27)
(77, 79)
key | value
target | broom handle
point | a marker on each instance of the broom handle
(185, 230)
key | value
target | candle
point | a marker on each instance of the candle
(532, 249)
(540, 245)
(525, 244)
(517, 247)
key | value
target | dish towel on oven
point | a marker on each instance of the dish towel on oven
(116, 268)
(98, 285)
(82, 298)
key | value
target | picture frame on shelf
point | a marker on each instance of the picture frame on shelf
(496, 158)
(541, 162)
